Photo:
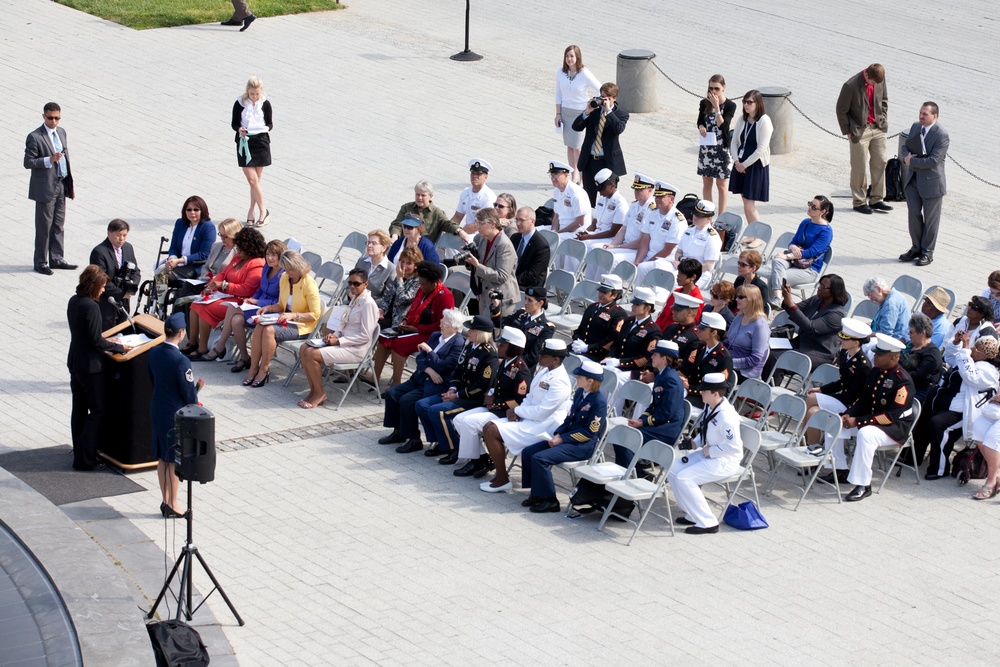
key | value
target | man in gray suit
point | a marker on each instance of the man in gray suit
(862, 112)
(924, 153)
(47, 156)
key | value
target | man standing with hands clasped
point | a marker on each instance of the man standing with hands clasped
(862, 111)
(924, 153)
(603, 121)
(46, 155)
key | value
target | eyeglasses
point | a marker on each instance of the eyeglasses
(749, 102)
(742, 265)
(192, 210)
(812, 206)
(52, 118)
(373, 243)
(355, 283)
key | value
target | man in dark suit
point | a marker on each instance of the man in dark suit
(924, 153)
(112, 255)
(47, 156)
(603, 123)
(862, 111)
(532, 250)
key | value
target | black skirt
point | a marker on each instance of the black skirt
(260, 151)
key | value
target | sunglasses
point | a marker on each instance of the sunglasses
(812, 206)
(499, 205)
(192, 210)
(52, 118)
(741, 296)
(742, 265)
(749, 102)
(355, 283)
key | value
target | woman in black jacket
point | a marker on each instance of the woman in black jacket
(818, 320)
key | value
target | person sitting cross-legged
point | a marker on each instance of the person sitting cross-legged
(574, 440)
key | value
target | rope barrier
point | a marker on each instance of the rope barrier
(832, 134)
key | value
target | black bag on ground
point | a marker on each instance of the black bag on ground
(968, 464)
(597, 497)
(687, 205)
(894, 180)
(177, 644)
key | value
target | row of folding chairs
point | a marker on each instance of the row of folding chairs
(910, 287)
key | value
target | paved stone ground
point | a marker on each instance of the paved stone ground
(335, 549)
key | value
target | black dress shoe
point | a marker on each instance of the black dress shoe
(881, 206)
(485, 468)
(467, 469)
(841, 477)
(531, 501)
(683, 521)
(434, 450)
(864, 208)
(931, 476)
(391, 439)
(858, 493)
(698, 530)
(65, 266)
(97, 467)
(450, 459)
(925, 259)
(247, 21)
(909, 255)
(410, 446)
(233, 22)
(44, 270)
(547, 505)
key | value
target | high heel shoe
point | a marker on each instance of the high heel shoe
(260, 383)
(249, 381)
(163, 509)
(249, 222)
(263, 221)
(212, 355)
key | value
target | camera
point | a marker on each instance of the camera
(596, 103)
(465, 252)
(128, 278)
(495, 294)
(686, 444)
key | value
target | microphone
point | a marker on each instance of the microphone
(114, 302)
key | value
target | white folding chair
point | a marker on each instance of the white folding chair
(751, 445)
(807, 289)
(460, 281)
(552, 238)
(294, 347)
(599, 261)
(449, 242)
(571, 255)
(597, 469)
(824, 374)
(798, 457)
(583, 294)
(638, 392)
(332, 273)
(795, 367)
(752, 396)
(571, 363)
(354, 241)
(660, 278)
(734, 221)
(758, 229)
(559, 285)
(293, 243)
(627, 271)
(911, 287)
(726, 267)
(951, 298)
(609, 385)
(782, 425)
(354, 370)
(638, 489)
(865, 310)
(314, 259)
(908, 444)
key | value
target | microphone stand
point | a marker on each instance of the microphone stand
(114, 302)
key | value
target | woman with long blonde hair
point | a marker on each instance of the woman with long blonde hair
(252, 123)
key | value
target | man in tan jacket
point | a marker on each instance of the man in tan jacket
(862, 111)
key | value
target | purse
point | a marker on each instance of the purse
(744, 516)
(803, 262)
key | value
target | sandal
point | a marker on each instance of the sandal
(239, 367)
(306, 405)
(212, 355)
(987, 492)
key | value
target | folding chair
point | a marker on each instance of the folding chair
(782, 424)
(807, 289)
(333, 273)
(460, 281)
(583, 294)
(638, 392)
(314, 259)
(798, 457)
(609, 385)
(627, 272)
(559, 285)
(951, 299)
(752, 396)
(599, 261)
(795, 366)
(571, 363)
(751, 445)
(911, 287)
(638, 489)
(354, 241)
(660, 278)
(824, 374)
(734, 221)
(572, 466)
(449, 242)
(353, 371)
(726, 267)
(552, 238)
(597, 469)
(759, 229)
(865, 310)
(293, 243)
(569, 250)
(908, 444)
(295, 346)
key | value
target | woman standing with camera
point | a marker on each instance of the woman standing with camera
(492, 264)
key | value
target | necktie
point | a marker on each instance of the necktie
(521, 246)
(59, 147)
(923, 132)
(598, 145)
(118, 256)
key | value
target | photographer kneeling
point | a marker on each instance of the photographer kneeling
(116, 258)
(491, 263)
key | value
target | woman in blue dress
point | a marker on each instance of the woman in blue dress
(751, 150)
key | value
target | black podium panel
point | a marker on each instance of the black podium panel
(127, 433)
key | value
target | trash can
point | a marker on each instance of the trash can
(780, 110)
(637, 81)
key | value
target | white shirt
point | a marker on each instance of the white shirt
(252, 116)
(571, 203)
(470, 202)
(723, 433)
(663, 230)
(704, 245)
(635, 219)
(574, 94)
(371, 267)
(610, 211)
(442, 341)
(186, 242)
(549, 397)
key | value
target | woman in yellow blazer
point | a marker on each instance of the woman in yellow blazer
(300, 305)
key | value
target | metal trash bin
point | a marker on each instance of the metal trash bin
(780, 111)
(636, 79)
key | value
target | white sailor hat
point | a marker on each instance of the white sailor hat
(609, 283)
(557, 166)
(712, 381)
(887, 344)
(480, 166)
(644, 295)
(682, 300)
(712, 321)
(514, 336)
(854, 329)
(554, 347)
(590, 369)
(667, 348)
(704, 209)
(641, 182)
(603, 176)
(662, 296)
(663, 189)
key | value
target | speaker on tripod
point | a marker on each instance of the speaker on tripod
(194, 460)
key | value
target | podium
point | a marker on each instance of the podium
(126, 435)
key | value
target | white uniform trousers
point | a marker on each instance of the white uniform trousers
(623, 254)
(686, 480)
(469, 425)
(518, 435)
(870, 438)
(664, 263)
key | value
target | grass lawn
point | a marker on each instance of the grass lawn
(143, 14)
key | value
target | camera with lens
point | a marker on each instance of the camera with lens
(596, 103)
(465, 252)
(128, 278)
(686, 444)
(495, 294)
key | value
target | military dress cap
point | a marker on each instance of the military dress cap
(555, 166)
(175, 322)
(682, 300)
(641, 182)
(667, 348)
(662, 295)
(854, 329)
(663, 189)
(887, 344)
(480, 166)
(411, 221)
(537, 293)
(590, 369)
(704, 209)
(712, 382)
(644, 295)
(609, 283)
(603, 176)
(514, 336)
(554, 347)
(712, 321)
(939, 299)
(480, 323)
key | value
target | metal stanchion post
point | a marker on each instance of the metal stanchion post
(467, 55)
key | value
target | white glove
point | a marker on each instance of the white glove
(579, 346)
(612, 362)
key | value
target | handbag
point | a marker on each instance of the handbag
(803, 262)
(744, 516)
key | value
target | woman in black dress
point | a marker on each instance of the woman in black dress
(715, 116)
(252, 124)
(751, 149)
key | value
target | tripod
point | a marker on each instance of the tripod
(186, 587)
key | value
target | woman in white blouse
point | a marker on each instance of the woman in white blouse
(575, 85)
(252, 124)
(751, 150)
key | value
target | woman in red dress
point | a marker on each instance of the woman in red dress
(240, 280)
(422, 319)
